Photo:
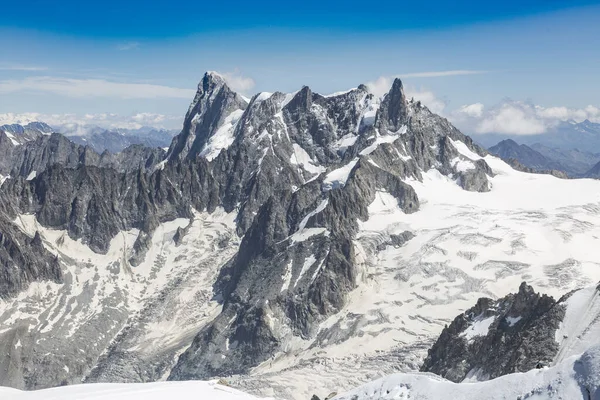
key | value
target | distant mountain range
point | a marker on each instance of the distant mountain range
(98, 138)
(117, 140)
(542, 158)
(568, 135)
(509, 149)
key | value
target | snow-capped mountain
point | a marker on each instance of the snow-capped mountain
(289, 242)
(20, 134)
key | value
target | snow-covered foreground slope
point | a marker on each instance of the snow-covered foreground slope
(140, 391)
(581, 325)
(529, 227)
(576, 378)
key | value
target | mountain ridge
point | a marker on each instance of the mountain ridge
(250, 244)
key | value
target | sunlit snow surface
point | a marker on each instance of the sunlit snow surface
(196, 390)
(575, 378)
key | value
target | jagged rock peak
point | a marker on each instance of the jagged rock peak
(215, 77)
(302, 100)
(393, 112)
(213, 103)
(497, 337)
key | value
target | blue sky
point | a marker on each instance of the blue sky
(484, 65)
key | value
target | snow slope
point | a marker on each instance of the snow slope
(581, 326)
(141, 391)
(575, 378)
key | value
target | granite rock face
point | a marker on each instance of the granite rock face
(498, 337)
(23, 260)
(20, 134)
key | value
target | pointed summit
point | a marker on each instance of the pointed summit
(214, 101)
(302, 100)
(393, 112)
(212, 79)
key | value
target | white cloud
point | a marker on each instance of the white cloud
(381, 85)
(428, 98)
(512, 120)
(472, 110)
(93, 88)
(128, 46)
(236, 81)
(517, 117)
(75, 123)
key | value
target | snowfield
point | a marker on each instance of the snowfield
(136, 391)
(575, 378)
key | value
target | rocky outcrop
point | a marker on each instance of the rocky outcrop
(23, 260)
(496, 337)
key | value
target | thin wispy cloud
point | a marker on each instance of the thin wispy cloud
(81, 88)
(16, 67)
(441, 74)
(128, 46)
